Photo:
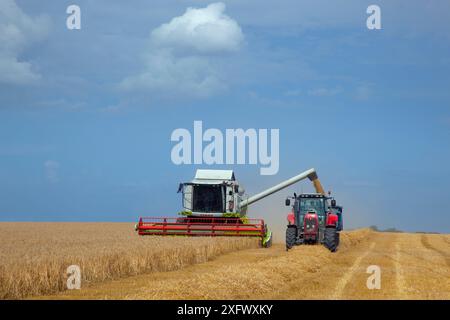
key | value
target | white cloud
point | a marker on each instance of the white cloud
(184, 54)
(17, 31)
(190, 75)
(51, 168)
(206, 30)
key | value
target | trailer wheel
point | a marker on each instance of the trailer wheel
(291, 236)
(331, 239)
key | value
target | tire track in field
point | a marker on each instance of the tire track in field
(443, 254)
(345, 279)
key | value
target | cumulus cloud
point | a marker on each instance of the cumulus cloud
(183, 54)
(206, 30)
(17, 31)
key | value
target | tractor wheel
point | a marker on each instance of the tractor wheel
(291, 237)
(331, 239)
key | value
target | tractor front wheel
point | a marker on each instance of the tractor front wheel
(291, 237)
(331, 239)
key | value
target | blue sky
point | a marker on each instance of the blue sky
(86, 115)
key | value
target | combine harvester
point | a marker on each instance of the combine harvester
(214, 204)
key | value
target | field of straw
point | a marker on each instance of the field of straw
(413, 266)
(34, 256)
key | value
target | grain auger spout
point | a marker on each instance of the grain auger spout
(214, 204)
(310, 174)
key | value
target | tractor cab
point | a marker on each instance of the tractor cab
(307, 203)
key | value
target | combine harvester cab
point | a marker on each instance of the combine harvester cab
(214, 204)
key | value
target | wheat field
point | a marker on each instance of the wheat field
(34, 256)
(412, 266)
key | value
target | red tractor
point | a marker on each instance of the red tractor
(312, 220)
